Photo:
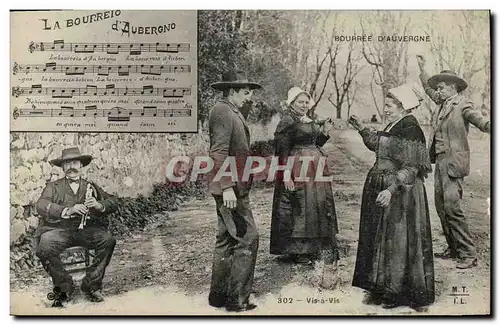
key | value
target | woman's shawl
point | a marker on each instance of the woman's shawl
(404, 144)
(407, 146)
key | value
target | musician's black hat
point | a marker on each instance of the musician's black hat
(71, 154)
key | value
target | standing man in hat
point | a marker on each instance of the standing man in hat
(237, 238)
(70, 210)
(449, 150)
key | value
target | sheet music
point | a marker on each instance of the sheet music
(104, 71)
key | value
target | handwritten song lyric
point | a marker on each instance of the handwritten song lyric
(108, 71)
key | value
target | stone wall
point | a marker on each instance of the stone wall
(127, 165)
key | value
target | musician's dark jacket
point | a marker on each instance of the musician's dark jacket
(58, 195)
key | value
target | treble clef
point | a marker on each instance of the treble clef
(16, 91)
(16, 113)
(31, 47)
(15, 69)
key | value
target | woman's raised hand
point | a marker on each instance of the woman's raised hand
(355, 122)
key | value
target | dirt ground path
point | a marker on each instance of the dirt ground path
(165, 269)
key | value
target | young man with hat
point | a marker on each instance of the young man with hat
(70, 210)
(237, 238)
(449, 150)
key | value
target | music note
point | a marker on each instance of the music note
(109, 87)
(89, 108)
(60, 93)
(51, 65)
(118, 117)
(124, 70)
(147, 89)
(149, 111)
(75, 71)
(102, 71)
(67, 111)
(93, 89)
(111, 49)
(57, 42)
(31, 47)
(86, 49)
(173, 48)
(136, 49)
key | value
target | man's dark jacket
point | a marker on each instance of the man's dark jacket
(58, 195)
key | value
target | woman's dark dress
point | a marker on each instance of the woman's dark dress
(394, 257)
(303, 221)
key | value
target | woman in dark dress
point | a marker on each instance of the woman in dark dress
(394, 260)
(304, 222)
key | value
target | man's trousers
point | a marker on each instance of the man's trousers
(448, 196)
(235, 254)
(53, 242)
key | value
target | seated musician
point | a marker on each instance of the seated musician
(71, 212)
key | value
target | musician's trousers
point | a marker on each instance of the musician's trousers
(52, 243)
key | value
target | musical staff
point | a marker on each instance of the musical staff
(112, 114)
(109, 48)
(91, 90)
(138, 76)
(102, 70)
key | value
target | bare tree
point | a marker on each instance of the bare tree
(238, 19)
(372, 92)
(302, 40)
(485, 94)
(351, 96)
(463, 48)
(323, 63)
(388, 58)
(344, 88)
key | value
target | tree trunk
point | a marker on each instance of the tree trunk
(238, 19)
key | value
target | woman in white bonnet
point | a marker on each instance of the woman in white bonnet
(304, 221)
(394, 261)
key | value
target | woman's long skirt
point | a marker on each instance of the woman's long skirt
(304, 221)
(394, 257)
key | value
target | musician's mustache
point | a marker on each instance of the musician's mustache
(72, 170)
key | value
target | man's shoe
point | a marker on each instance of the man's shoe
(95, 296)
(372, 298)
(467, 263)
(446, 254)
(244, 307)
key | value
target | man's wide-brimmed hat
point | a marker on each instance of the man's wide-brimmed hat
(447, 75)
(71, 154)
(235, 79)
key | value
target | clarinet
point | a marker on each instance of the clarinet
(88, 195)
